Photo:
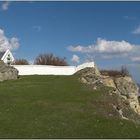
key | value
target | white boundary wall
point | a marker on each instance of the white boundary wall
(50, 70)
(85, 65)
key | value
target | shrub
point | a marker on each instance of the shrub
(21, 62)
(124, 71)
(112, 73)
(116, 73)
(50, 59)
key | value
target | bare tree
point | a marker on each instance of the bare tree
(50, 59)
(21, 62)
(116, 73)
(125, 71)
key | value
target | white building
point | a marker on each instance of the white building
(7, 56)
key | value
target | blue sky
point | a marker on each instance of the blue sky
(106, 32)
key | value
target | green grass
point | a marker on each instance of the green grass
(56, 107)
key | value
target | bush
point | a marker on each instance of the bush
(116, 73)
(124, 71)
(112, 73)
(21, 62)
(50, 59)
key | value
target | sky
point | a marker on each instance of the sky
(107, 33)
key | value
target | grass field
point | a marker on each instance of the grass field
(56, 107)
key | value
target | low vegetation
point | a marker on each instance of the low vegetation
(58, 107)
(50, 59)
(21, 62)
(116, 73)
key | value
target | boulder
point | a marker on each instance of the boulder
(7, 72)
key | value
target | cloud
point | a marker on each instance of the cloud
(135, 59)
(5, 5)
(76, 49)
(14, 43)
(75, 58)
(137, 30)
(129, 17)
(6, 43)
(105, 47)
(115, 47)
(37, 28)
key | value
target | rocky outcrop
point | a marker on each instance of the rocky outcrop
(90, 76)
(108, 81)
(123, 86)
(7, 72)
(127, 88)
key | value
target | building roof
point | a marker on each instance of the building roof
(1, 54)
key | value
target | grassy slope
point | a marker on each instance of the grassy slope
(56, 107)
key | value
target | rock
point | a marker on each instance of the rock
(96, 70)
(123, 86)
(7, 72)
(90, 76)
(89, 71)
(108, 81)
(83, 80)
(126, 86)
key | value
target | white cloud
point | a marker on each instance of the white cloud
(75, 49)
(75, 58)
(6, 43)
(135, 59)
(137, 30)
(105, 47)
(129, 17)
(37, 28)
(14, 43)
(5, 5)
